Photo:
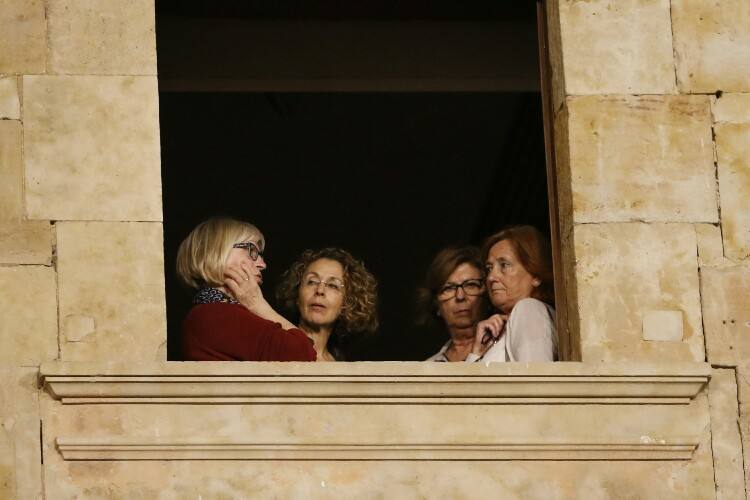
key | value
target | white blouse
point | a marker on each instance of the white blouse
(440, 356)
(528, 335)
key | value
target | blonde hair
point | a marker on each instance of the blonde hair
(203, 254)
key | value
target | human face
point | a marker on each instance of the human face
(507, 280)
(239, 256)
(318, 302)
(462, 311)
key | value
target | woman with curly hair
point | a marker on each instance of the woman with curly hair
(331, 295)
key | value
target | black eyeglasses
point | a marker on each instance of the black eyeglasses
(252, 249)
(470, 287)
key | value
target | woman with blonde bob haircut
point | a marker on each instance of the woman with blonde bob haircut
(222, 260)
(332, 296)
(518, 279)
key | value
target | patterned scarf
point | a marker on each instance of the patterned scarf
(212, 295)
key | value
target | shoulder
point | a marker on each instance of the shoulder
(221, 315)
(531, 315)
(529, 308)
(530, 305)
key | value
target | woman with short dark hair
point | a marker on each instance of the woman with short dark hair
(331, 296)
(518, 269)
(222, 260)
(452, 297)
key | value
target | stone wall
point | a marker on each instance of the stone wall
(81, 265)
(652, 134)
(653, 123)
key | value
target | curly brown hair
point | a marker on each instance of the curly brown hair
(359, 312)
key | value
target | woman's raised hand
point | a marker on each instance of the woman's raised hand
(487, 333)
(241, 282)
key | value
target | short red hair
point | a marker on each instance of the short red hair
(533, 251)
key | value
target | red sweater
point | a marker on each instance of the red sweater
(229, 332)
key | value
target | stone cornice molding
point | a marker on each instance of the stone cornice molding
(374, 383)
(159, 449)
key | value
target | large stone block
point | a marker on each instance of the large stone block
(92, 148)
(725, 294)
(710, 246)
(102, 37)
(731, 108)
(111, 280)
(712, 45)
(726, 441)
(617, 47)
(20, 467)
(10, 105)
(26, 242)
(625, 271)
(11, 171)
(23, 31)
(642, 158)
(28, 308)
(21, 241)
(733, 153)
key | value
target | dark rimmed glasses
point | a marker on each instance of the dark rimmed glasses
(252, 249)
(471, 287)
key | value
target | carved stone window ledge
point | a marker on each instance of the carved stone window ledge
(602, 412)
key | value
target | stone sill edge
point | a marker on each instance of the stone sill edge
(75, 449)
(373, 369)
(305, 384)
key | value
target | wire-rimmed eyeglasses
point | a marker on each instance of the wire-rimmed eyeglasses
(333, 285)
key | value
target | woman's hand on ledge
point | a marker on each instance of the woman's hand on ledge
(487, 333)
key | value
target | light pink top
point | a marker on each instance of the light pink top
(529, 335)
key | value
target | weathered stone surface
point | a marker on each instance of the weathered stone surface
(616, 47)
(710, 247)
(28, 308)
(731, 108)
(625, 270)
(745, 432)
(111, 277)
(662, 326)
(387, 424)
(22, 36)
(642, 158)
(10, 105)
(733, 151)
(26, 242)
(92, 148)
(11, 171)
(725, 294)
(21, 241)
(712, 45)
(98, 37)
(20, 467)
(726, 442)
